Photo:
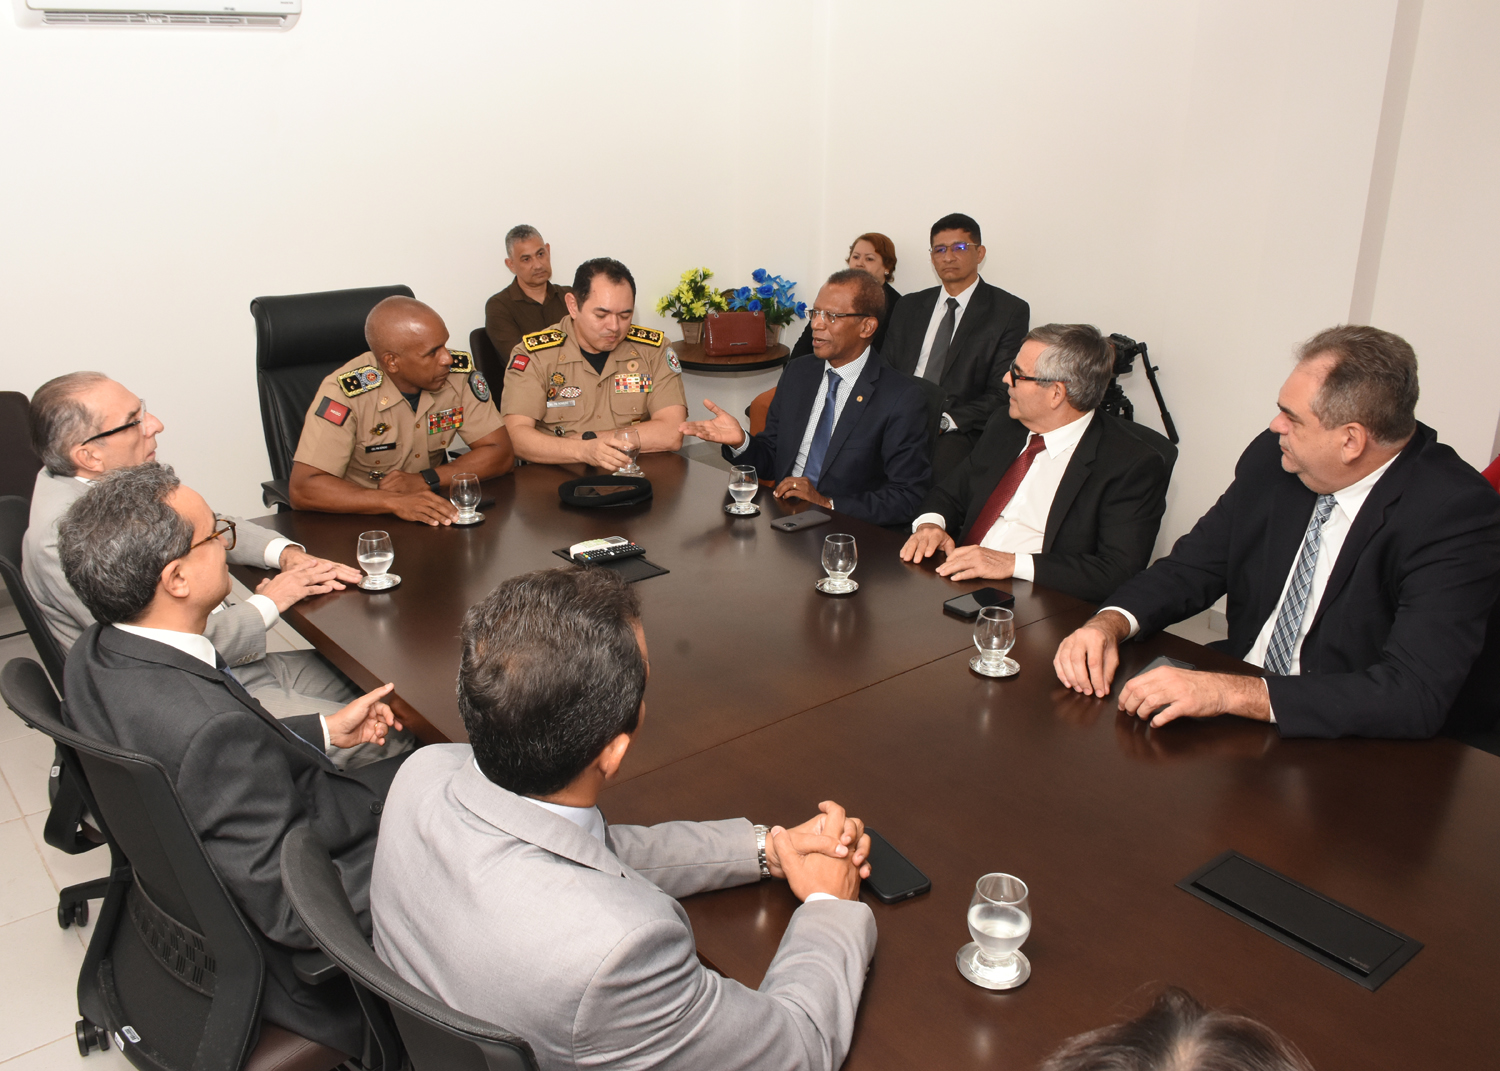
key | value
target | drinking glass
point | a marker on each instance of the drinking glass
(375, 557)
(629, 440)
(840, 556)
(994, 635)
(742, 486)
(463, 492)
(999, 922)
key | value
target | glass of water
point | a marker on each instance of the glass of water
(742, 487)
(840, 556)
(375, 557)
(629, 440)
(999, 922)
(994, 635)
(463, 492)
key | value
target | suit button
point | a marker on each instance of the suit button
(377, 806)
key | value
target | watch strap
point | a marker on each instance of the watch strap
(760, 850)
(433, 480)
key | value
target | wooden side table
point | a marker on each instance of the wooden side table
(695, 359)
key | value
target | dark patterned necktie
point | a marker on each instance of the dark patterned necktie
(823, 432)
(938, 358)
(1294, 606)
(1005, 490)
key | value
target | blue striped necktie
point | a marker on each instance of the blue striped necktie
(823, 432)
(1294, 606)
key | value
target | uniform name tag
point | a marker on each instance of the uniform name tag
(560, 403)
(633, 383)
(446, 420)
(379, 447)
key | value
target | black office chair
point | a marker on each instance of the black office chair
(434, 1035)
(299, 339)
(490, 361)
(20, 462)
(1154, 439)
(173, 972)
(1475, 718)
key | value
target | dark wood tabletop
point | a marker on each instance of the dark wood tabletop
(766, 697)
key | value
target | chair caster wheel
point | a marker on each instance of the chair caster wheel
(70, 913)
(90, 1037)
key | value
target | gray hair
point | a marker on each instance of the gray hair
(60, 420)
(1372, 381)
(1078, 357)
(117, 538)
(519, 233)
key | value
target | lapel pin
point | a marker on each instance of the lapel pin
(859, 397)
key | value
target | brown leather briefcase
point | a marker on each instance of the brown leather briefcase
(733, 334)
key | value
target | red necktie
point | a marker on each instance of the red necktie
(1005, 490)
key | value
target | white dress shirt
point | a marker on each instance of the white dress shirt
(1022, 526)
(198, 646)
(938, 312)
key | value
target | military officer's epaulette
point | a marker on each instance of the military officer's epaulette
(463, 363)
(637, 333)
(356, 381)
(543, 340)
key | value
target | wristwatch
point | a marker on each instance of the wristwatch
(760, 851)
(946, 424)
(433, 482)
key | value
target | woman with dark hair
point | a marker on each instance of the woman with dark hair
(876, 254)
(1179, 1034)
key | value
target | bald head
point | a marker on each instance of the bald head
(410, 343)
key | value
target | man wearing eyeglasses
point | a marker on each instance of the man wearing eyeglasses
(85, 425)
(843, 431)
(1055, 491)
(960, 335)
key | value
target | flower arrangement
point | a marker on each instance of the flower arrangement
(692, 299)
(771, 295)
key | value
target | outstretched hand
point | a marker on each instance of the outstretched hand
(723, 428)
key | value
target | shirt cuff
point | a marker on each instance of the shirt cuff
(1135, 626)
(952, 424)
(929, 518)
(1269, 708)
(736, 451)
(1024, 569)
(327, 743)
(812, 896)
(268, 612)
(275, 548)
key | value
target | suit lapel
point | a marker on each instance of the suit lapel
(924, 302)
(1074, 477)
(861, 394)
(977, 313)
(789, 437)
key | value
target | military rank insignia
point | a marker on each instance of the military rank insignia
(543, 340)
(633, 383)
(359, 380)
(332, 411)
(672, 362)
(463, 363)
(446, 420)
(479, 386)
(638, 333)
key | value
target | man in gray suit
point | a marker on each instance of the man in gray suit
(83, 425)
(499, 887)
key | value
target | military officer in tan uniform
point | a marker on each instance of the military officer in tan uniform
(568, 388)
(375, 434)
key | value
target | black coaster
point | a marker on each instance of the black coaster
(632, 569)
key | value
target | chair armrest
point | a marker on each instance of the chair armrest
(276, 493)
(314, 968)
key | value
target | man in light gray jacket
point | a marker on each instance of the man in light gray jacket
(499, 888)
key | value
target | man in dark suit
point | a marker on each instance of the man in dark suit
(148, 558)
(1055, 491)
(964, 343)
(844, 431)
(1361, 558)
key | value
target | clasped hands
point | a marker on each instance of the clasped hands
(1087, 659)
(964, 563)
(725, 430)
(828, 853)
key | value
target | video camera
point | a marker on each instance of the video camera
(1115, 402)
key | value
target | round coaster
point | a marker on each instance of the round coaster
(742, 509)
(845, 587)
(395, 582)
(968, 966)
(461, 523)
(1009, 668)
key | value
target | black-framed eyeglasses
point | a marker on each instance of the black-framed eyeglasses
(1017, 375)
(137, 422)
(831, 317)
(957, 247)
(222, 526)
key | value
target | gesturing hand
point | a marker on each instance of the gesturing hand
(723, 428)
(363, 721)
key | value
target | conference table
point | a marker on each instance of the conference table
(766, 697)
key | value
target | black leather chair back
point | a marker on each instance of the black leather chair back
(15, 515)
(1154, 439)
(19, 463)
(435, 1036)
(171, 957)
(490, 360)
(299, 339)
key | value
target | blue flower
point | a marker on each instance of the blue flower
(766, 290)
(742, 292)
(754, 306)
(759, 275)
(802, 310)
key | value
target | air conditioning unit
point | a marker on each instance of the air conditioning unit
(227, 14)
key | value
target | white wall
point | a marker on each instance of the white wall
(1192, 174)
